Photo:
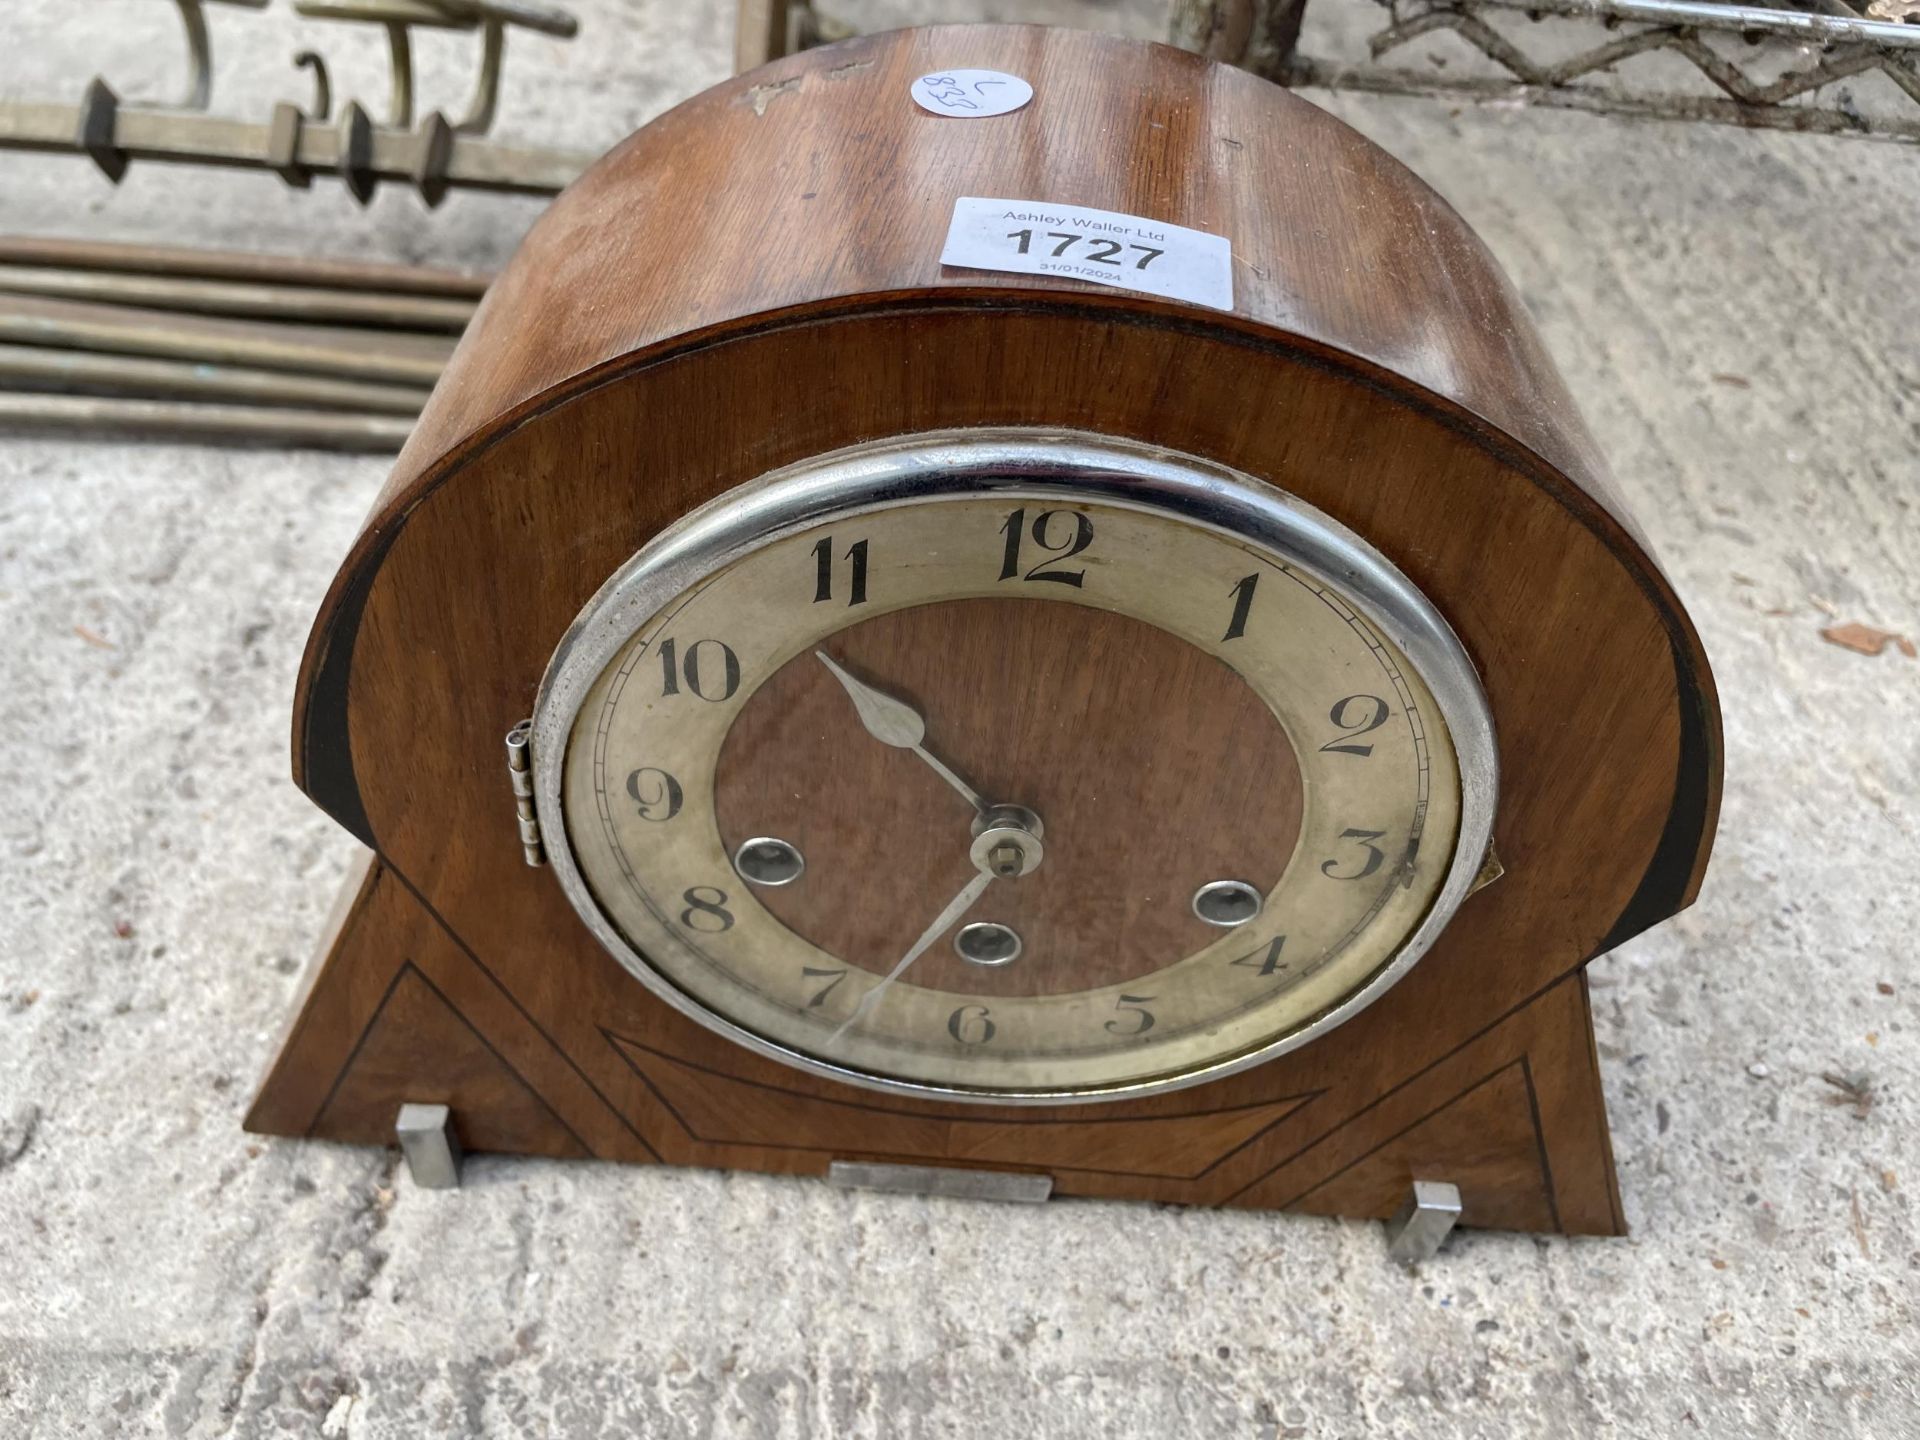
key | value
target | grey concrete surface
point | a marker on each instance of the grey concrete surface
(1739, 316)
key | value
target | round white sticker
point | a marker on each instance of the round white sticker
(971, 94)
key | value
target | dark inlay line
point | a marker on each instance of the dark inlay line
(1326, 1180)
(526, 1015)
(1540, 1141)
(354, 1054)
(512, 1069)
(619, 1042)
(1382, 1099)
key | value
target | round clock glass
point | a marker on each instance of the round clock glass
(1013, 767)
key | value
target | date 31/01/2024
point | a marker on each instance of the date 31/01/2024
(1098, 251)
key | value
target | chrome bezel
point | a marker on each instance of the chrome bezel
(1027, 464)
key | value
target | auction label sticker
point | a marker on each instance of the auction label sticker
(1032, 237)
(971, 93)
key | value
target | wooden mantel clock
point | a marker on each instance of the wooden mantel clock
(1071, 634)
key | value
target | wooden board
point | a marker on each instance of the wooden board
(754, 280)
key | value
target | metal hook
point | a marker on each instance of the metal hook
(400, 53)
(322, 83)
(486, 95)
(394, 16)
(495, 16)
(199, 56)
(193, 17)
(284, 131)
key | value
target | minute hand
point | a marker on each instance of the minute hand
(896, 723)
(943, 922)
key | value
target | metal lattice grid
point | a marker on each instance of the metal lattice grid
(1826, 66)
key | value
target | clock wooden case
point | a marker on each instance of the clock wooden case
(754, 280)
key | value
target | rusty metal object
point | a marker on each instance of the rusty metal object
(1777, 64)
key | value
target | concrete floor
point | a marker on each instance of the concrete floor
(1740, 317)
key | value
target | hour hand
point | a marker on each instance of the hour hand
(896, 723)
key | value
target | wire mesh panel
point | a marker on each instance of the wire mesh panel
(1830, 66)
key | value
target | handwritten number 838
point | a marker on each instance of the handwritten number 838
(946, 90)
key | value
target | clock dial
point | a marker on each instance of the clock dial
(1009, 792)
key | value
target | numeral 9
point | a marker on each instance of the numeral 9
(658, 798)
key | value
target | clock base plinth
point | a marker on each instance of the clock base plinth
(399, 1009)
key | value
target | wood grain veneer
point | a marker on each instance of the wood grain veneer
(753, 279)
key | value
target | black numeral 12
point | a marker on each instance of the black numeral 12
(823, 571)
(1065, 547)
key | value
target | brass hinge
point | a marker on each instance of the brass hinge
(1490, 870)
(520, 769)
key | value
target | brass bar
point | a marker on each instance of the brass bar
(760, 33)
(547, 19)
(175, 136)
(385, 12)
(445, 14)
(83, 371)
(406, 358)
(229, 297)
(315, 429)
(141, 259)
(38, 125)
